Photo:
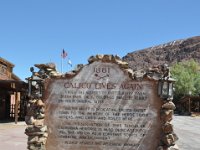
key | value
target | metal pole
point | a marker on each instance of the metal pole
(61, 65)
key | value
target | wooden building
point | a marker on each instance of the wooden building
(12, 93)
(189, 105)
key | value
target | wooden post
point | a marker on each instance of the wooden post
(189, 107)
(15, 107)
(17, 99)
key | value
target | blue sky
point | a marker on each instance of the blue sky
(36, 31)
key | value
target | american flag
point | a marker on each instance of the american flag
(63, 54)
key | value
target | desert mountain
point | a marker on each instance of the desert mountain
(172, 52)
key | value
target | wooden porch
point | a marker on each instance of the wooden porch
(189, 105)
(13, 100)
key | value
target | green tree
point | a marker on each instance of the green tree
(187, 77)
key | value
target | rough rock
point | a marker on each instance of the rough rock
(167, 128)
(169, 105)
(167, 115)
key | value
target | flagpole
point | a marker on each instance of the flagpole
(63, 56)
(61, 65)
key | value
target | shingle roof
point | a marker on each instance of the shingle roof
(6, 62)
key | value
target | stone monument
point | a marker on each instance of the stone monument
(105, 106)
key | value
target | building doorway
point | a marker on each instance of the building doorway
(5, 104)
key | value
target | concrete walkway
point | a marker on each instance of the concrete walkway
(188, 130)
(12, 136)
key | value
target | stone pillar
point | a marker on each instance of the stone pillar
(168, 136)
(36, 130)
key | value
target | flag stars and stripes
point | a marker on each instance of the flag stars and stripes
(63, 54)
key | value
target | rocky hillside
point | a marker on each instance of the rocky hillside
(169, 53)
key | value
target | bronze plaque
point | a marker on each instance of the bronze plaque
(102, 108)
